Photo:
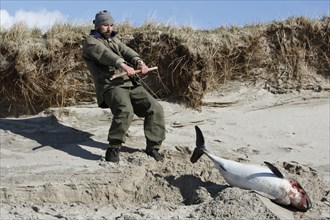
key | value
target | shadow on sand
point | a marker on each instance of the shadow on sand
(189, 184)
(48, 131)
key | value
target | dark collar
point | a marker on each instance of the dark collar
(97, 34)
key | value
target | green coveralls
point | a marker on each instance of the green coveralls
(125, 96)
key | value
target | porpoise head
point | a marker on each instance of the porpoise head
(298, 197)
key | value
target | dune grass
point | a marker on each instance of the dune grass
(46, 70)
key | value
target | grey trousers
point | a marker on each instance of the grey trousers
(124, 102)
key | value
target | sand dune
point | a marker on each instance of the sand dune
(52, 164)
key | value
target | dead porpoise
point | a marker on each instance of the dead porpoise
(267, 181)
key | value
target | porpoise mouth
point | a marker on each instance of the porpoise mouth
(305, 202)
(308, 204)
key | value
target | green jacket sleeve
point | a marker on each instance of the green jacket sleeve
(128, 53)
(110, 52)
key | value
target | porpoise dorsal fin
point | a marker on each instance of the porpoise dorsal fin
(274, 169)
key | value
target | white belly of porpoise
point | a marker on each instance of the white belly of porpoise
(254, 177)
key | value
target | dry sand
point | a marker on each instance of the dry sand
(52, 164)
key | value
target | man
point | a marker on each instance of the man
(106, 55)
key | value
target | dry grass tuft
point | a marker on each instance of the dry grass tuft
(42, 70)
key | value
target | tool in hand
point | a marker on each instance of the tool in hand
(136, 72)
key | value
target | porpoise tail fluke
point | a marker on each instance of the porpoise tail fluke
(200, 146)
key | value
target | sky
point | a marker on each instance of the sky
(197, 14)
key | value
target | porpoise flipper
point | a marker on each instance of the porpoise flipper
(265, 195)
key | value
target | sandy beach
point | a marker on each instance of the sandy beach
(53, 167)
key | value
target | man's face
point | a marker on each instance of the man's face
(105, 29)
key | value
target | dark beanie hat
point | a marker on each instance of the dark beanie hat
(103, 17)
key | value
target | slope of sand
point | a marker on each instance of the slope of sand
(52, 164)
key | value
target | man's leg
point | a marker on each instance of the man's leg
(154, 124)
(118, 99)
